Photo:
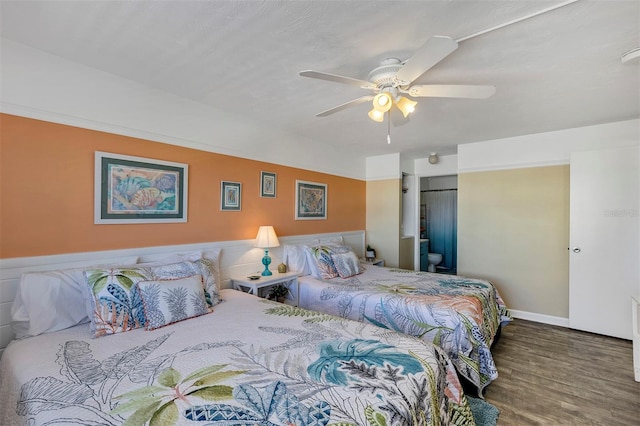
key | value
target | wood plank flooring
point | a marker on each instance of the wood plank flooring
(549, 375)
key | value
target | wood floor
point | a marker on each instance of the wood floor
(552, 375)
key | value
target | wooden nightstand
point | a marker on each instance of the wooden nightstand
(259, 287)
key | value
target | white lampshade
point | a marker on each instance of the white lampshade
(267, 237)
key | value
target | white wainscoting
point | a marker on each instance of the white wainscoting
(239, 257)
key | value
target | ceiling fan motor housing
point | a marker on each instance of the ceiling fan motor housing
(384, 75)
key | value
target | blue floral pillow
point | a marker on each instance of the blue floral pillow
(169, 301)
(115, 301)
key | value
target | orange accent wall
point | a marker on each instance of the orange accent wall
(47, 194)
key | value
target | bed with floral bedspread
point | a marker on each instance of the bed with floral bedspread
(249, 362)
(461, 315)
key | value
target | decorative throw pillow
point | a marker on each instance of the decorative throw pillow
(169, 301)
(208, 263)
(347, 264)
(202, 267)
(320, 260)
(213, 256)
(115, 301)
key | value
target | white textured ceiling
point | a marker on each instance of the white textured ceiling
(558, 70)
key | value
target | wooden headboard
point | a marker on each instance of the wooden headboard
(239, 257)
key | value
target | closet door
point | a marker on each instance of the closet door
(604, 240)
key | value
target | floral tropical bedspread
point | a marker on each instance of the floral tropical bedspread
(250, 362)
(461, 315)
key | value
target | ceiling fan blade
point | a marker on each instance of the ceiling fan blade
(345, 105)
(338, 79)
(433, 51)
(451, 91)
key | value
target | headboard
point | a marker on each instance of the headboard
(239, 257)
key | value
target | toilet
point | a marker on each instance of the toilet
(433, 259)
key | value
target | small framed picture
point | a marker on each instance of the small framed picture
(139, 190)
(311, 200)
(268, 182)
(230, 196)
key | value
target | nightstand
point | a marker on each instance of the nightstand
(257, 287)
(374, 262)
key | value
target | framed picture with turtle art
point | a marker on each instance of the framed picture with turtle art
(139, 190)
(311, 200)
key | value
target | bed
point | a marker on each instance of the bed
(462, 315)
(246, 361)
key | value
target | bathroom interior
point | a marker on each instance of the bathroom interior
(438, 224)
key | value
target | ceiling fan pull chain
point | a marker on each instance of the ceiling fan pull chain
(389, 127)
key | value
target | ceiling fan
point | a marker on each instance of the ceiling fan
(394, 78)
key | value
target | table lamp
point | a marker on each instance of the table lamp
(266, 239)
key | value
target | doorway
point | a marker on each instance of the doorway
(439, 221)
(604, 248)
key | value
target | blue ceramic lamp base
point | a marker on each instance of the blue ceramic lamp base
(266, 261)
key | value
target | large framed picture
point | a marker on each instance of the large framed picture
(268, 184)
(311, 200)
(230, 196)
(139, 190)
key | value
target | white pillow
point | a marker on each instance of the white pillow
(295, 257)
(51, 300)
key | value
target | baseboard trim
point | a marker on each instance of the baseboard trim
(545, 319)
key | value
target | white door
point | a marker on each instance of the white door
(604, 269)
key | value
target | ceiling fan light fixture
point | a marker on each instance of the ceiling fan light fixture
(406, 105)
(382, 102)
(376, 115)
